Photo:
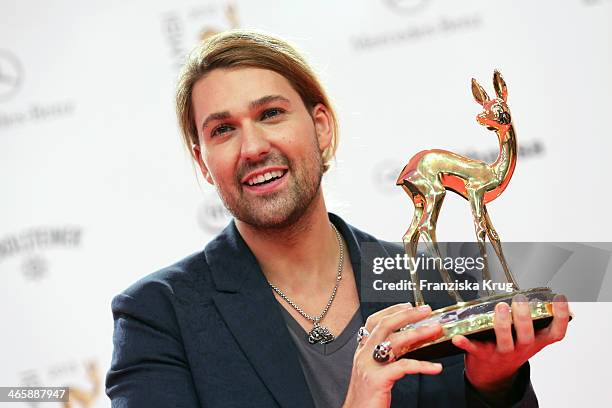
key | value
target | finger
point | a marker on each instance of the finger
(404, 341)
(396, 321)
(374, 318)
(398, 369)
(558, 327)
(521, 318)
(502, 325)
(476, 348)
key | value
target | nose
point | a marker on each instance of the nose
(481, 118)
(255, 144)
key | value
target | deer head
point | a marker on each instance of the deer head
(495, 114)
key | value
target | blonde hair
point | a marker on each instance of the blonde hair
(241, 48)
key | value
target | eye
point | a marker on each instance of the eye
(221, 129)
(497, 110)
(270, 113)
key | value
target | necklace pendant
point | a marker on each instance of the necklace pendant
(320, 334)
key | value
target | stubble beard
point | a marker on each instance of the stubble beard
(283, 208)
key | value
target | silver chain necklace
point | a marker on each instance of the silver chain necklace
(319, 333)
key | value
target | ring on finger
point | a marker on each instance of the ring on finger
(383, 352)
(362, 333)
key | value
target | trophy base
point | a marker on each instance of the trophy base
(474, 320)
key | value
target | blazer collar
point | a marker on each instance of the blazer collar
(233, 265)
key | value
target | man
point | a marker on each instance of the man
(267, 314)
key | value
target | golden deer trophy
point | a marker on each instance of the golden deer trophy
(426, 178)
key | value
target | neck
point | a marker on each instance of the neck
(301, 255)
(504, 165)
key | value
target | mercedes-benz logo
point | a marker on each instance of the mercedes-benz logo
(11, 73)
(406, 6)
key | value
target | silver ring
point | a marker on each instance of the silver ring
(362, 333)
(383, 352)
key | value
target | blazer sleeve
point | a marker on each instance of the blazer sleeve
(452, 389)
(149, 367)
(521, 395)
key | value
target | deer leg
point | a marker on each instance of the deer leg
(411, 240)
(475, 197)
(496, 243)
(433, 203)
(412, 233)
(433, 247)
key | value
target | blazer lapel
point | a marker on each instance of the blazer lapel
(246, 303)
(354, 238)
(408, 387)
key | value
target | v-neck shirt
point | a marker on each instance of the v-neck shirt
(327, 367)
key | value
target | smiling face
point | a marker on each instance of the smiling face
(259, 145)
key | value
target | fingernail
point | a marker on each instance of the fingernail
(502, 308)
(520, 298)
(560, 298)
(424, 308)
(408, 305)
(437, 365)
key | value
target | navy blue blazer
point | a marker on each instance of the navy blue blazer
(208, 332)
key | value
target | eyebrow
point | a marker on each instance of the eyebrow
(253, 105)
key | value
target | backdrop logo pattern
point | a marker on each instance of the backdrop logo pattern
(384, 175)
(66, 374)
(11, 74)
(85, 396)
(406, 6)
(11, 80)
(35, 267)
(596, 2)
(450, 22)
(31, 244)
(184, 28)
(231, 17)
(212, 215)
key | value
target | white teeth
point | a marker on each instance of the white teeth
(264, 177)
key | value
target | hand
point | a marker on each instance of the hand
(491, 366)
(371, 382)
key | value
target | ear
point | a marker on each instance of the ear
(324, 125)
(479, 94)
(197, 154)
(500, 86)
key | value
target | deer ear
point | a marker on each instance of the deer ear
(500, 86)
(479, 94)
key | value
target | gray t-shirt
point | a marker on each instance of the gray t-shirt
(327, 367)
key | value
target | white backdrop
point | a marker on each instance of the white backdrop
(96, 190)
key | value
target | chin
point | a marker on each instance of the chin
(271, 220)
(278, 210)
